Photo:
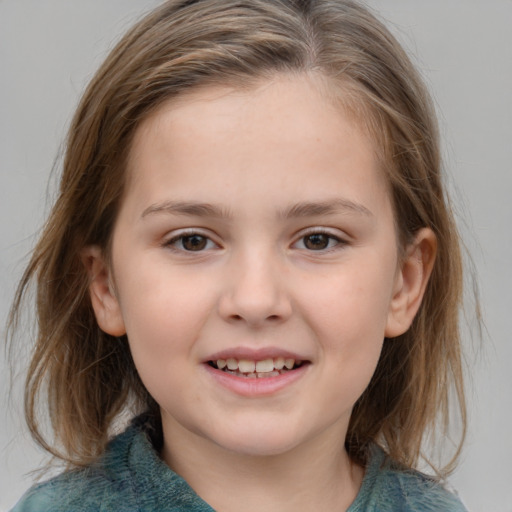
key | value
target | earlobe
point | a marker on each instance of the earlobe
(411, 282)
(103, 299)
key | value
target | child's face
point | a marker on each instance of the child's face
(255, 226)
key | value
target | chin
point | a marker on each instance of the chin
(259, 441)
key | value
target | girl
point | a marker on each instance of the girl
(252, 254)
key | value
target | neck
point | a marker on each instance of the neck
(313, 476)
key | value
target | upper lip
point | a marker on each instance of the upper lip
(252, 354)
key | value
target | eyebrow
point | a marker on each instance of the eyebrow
(189, 208)
(302, 209)
(329, 207)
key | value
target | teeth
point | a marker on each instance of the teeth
(246, 366)
(279, 363)
(232, 364)
(269, 374)
(289, 363)
(266, 367)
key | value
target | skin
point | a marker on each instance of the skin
(277, 164)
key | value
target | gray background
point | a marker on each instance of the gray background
(49, 49)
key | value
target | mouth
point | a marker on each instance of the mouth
(261, 369)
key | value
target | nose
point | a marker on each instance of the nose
(255, 291)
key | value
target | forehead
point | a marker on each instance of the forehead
(297, 94)
(289, 132)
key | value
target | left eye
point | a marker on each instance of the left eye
(192, 243)
(318, 242)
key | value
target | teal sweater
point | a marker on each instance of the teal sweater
(131, 477)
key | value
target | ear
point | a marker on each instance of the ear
(104, 301)
(411, 281)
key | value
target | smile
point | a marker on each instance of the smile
(265, 368)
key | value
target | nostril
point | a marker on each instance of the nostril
(270, 318)
(254, 308)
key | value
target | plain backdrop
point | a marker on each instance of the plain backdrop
(49, 49)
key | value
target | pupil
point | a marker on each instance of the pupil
(316, 241)
(194, 242)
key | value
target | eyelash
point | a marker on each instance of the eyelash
(183, 236)
(172, 243)
(339, 242)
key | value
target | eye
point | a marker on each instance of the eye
(193, 242)
(318, 241)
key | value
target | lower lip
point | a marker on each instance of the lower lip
(261, 386)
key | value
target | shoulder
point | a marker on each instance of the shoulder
(92, 488)
(388, 487)
(417, 493)
(77, 490)
(130, 476)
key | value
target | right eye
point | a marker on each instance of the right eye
(193, 242)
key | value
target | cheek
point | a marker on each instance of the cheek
(163, 312)
(163, 318)
(353, 304)
(348, 316)
(351, 337)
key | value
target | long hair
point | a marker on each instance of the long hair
(88, 376)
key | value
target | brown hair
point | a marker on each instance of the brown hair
(89, 376)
